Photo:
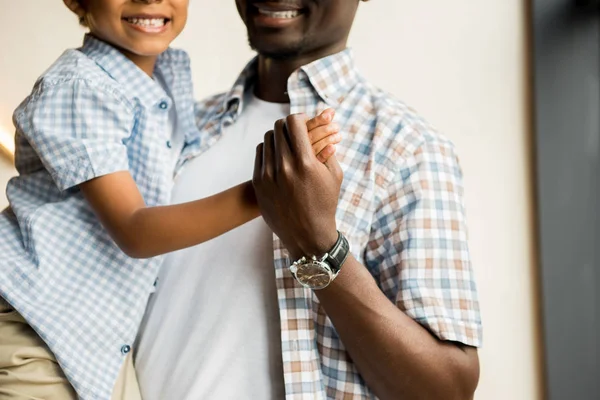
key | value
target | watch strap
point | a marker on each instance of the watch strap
(338, 253)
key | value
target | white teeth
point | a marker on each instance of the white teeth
(147, 22)
(280, 14)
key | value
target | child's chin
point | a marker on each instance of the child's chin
(151, 50)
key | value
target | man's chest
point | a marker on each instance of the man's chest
(235, 140)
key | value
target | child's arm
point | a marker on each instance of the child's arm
(143, 232)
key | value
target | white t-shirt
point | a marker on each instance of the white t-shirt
(212, 329)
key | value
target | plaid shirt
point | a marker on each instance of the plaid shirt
(92, 113)
(401, 208)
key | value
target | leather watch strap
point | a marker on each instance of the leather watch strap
(338, 253)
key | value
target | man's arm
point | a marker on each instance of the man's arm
(395, 355)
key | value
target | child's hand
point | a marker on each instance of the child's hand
(324, 134)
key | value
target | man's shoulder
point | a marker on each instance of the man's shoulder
(399, 125)
(209, 108)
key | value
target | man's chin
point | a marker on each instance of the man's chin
(280, 52)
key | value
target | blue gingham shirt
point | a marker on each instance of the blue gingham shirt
(401, 208)
(92, 113)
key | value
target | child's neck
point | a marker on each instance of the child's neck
(145, 63)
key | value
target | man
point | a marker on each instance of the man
(397, 317)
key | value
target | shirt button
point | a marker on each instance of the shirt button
(125, 349)
(163, 105)
(169, 145)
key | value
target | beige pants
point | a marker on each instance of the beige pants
(28, 369)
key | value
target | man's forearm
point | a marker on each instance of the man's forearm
(395, 355)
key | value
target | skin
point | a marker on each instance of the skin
(322, 30)
(298, 196)
(142, 231)
(106, 20)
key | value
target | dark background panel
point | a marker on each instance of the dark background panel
(566, 62)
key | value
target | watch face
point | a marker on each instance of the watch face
(313, 274)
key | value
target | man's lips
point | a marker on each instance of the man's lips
(276, 14)
(280, 14)
(279, 6)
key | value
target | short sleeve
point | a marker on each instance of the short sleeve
(77, 129)
(419, 246)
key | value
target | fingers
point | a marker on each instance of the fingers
(297, 134)
(283, 153)
(258, 161)
(323, 131)
(334, 167)
(322, 134)
(326, 153)
(320, 120)
(268, 171)
(326, 141)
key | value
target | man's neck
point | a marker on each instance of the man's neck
(273, 74)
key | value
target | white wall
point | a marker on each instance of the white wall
(461, 63)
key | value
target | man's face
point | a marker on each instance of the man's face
(290, 28)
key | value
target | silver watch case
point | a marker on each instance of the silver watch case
(313, 273)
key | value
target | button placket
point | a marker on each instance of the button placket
(164, 106)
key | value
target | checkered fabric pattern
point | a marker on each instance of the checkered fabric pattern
(92, 113)
(401, 208)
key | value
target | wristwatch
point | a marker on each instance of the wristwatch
(318, 273)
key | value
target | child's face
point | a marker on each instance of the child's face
(140, 27)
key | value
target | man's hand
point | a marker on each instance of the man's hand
(297, 194)
(397, 357)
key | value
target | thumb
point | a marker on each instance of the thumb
(334, 167)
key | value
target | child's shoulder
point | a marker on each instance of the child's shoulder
(73, 65)
(74, 73)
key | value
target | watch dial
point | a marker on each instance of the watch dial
(313, 275)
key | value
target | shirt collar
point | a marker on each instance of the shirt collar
(332, 78)
(135, 81)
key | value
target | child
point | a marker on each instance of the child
(98, 142)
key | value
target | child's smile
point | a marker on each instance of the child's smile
(141, 29)
(148, 23)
